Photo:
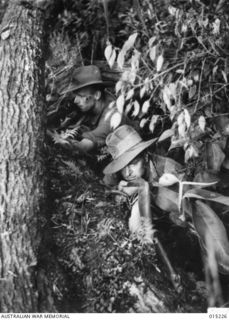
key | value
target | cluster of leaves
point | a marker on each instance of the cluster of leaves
(89, 23)
(177, 73)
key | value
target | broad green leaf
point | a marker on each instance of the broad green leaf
(191, 152)
(187, 118)
(136, 108)
(128, 108)
(160, 61)
(115, 120)
(112, 59)
(142, 91)
(166, 97)
(130, 42)
(173, 89)
(153, 53)
(180, 118)
(5, 34)
(166, 199)
(198, 193)
(153, 122)
(216, 26)
(130, 94)
(208, 224)
(143, 122)
(202, 123)
(118, 86)
(121, 59)
(168, 179)
(111, 105)
(151, 41)
(108, 52)
(192, 91)
(135, 60)
(215, 156)
(166, 134)
(145, 106)
(109, 114)
(172, 10)
(182, 129)
(120, 103)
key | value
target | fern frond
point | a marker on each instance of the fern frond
(145, 233)
(73, 168)
(64, 135)
(70, 133)
(58, 138)
(105, 227)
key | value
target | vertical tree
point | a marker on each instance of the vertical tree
(22, 119)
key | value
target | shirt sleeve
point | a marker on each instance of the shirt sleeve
(99, 134)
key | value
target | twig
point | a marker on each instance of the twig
(201, 74)
(174, 277)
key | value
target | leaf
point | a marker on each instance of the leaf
(202, 123)
(166, 97)
(143, 122)
(5, 34)
(224, 76)
(130, 42)
(115, 120)
(121, 59)
(108, 52)
(112, 59)
(182, 130)
(120, 103)
(166, 134)
(172, 10)
(215, 156)
(153, 53)
(152, 40)
(136, 108)
(142, 91)
(153, 122)
(191, 152)
(216, 26)
(160, 61)
(192, 91)
(208, 225)
(168, 179)
(198, 193)
(128, 108)
(145, 106)
(118, 86)
(167, 199)
(130, 94)
(187, 118)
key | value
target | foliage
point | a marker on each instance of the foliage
(174, 73)
(108, 271)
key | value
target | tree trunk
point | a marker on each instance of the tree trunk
(22, 182)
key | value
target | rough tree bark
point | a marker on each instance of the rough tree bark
(22, 119)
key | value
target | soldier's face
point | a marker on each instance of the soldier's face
(85, 99)
(134, 170)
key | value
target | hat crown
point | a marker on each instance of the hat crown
(121, 140)
(86, 75)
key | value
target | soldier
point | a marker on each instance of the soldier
(134, 170)
(95, 103)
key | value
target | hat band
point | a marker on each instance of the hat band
(124, 145)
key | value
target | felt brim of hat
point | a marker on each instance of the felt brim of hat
(74, 87)
(123, 160)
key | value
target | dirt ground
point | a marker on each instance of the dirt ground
(90, 259)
